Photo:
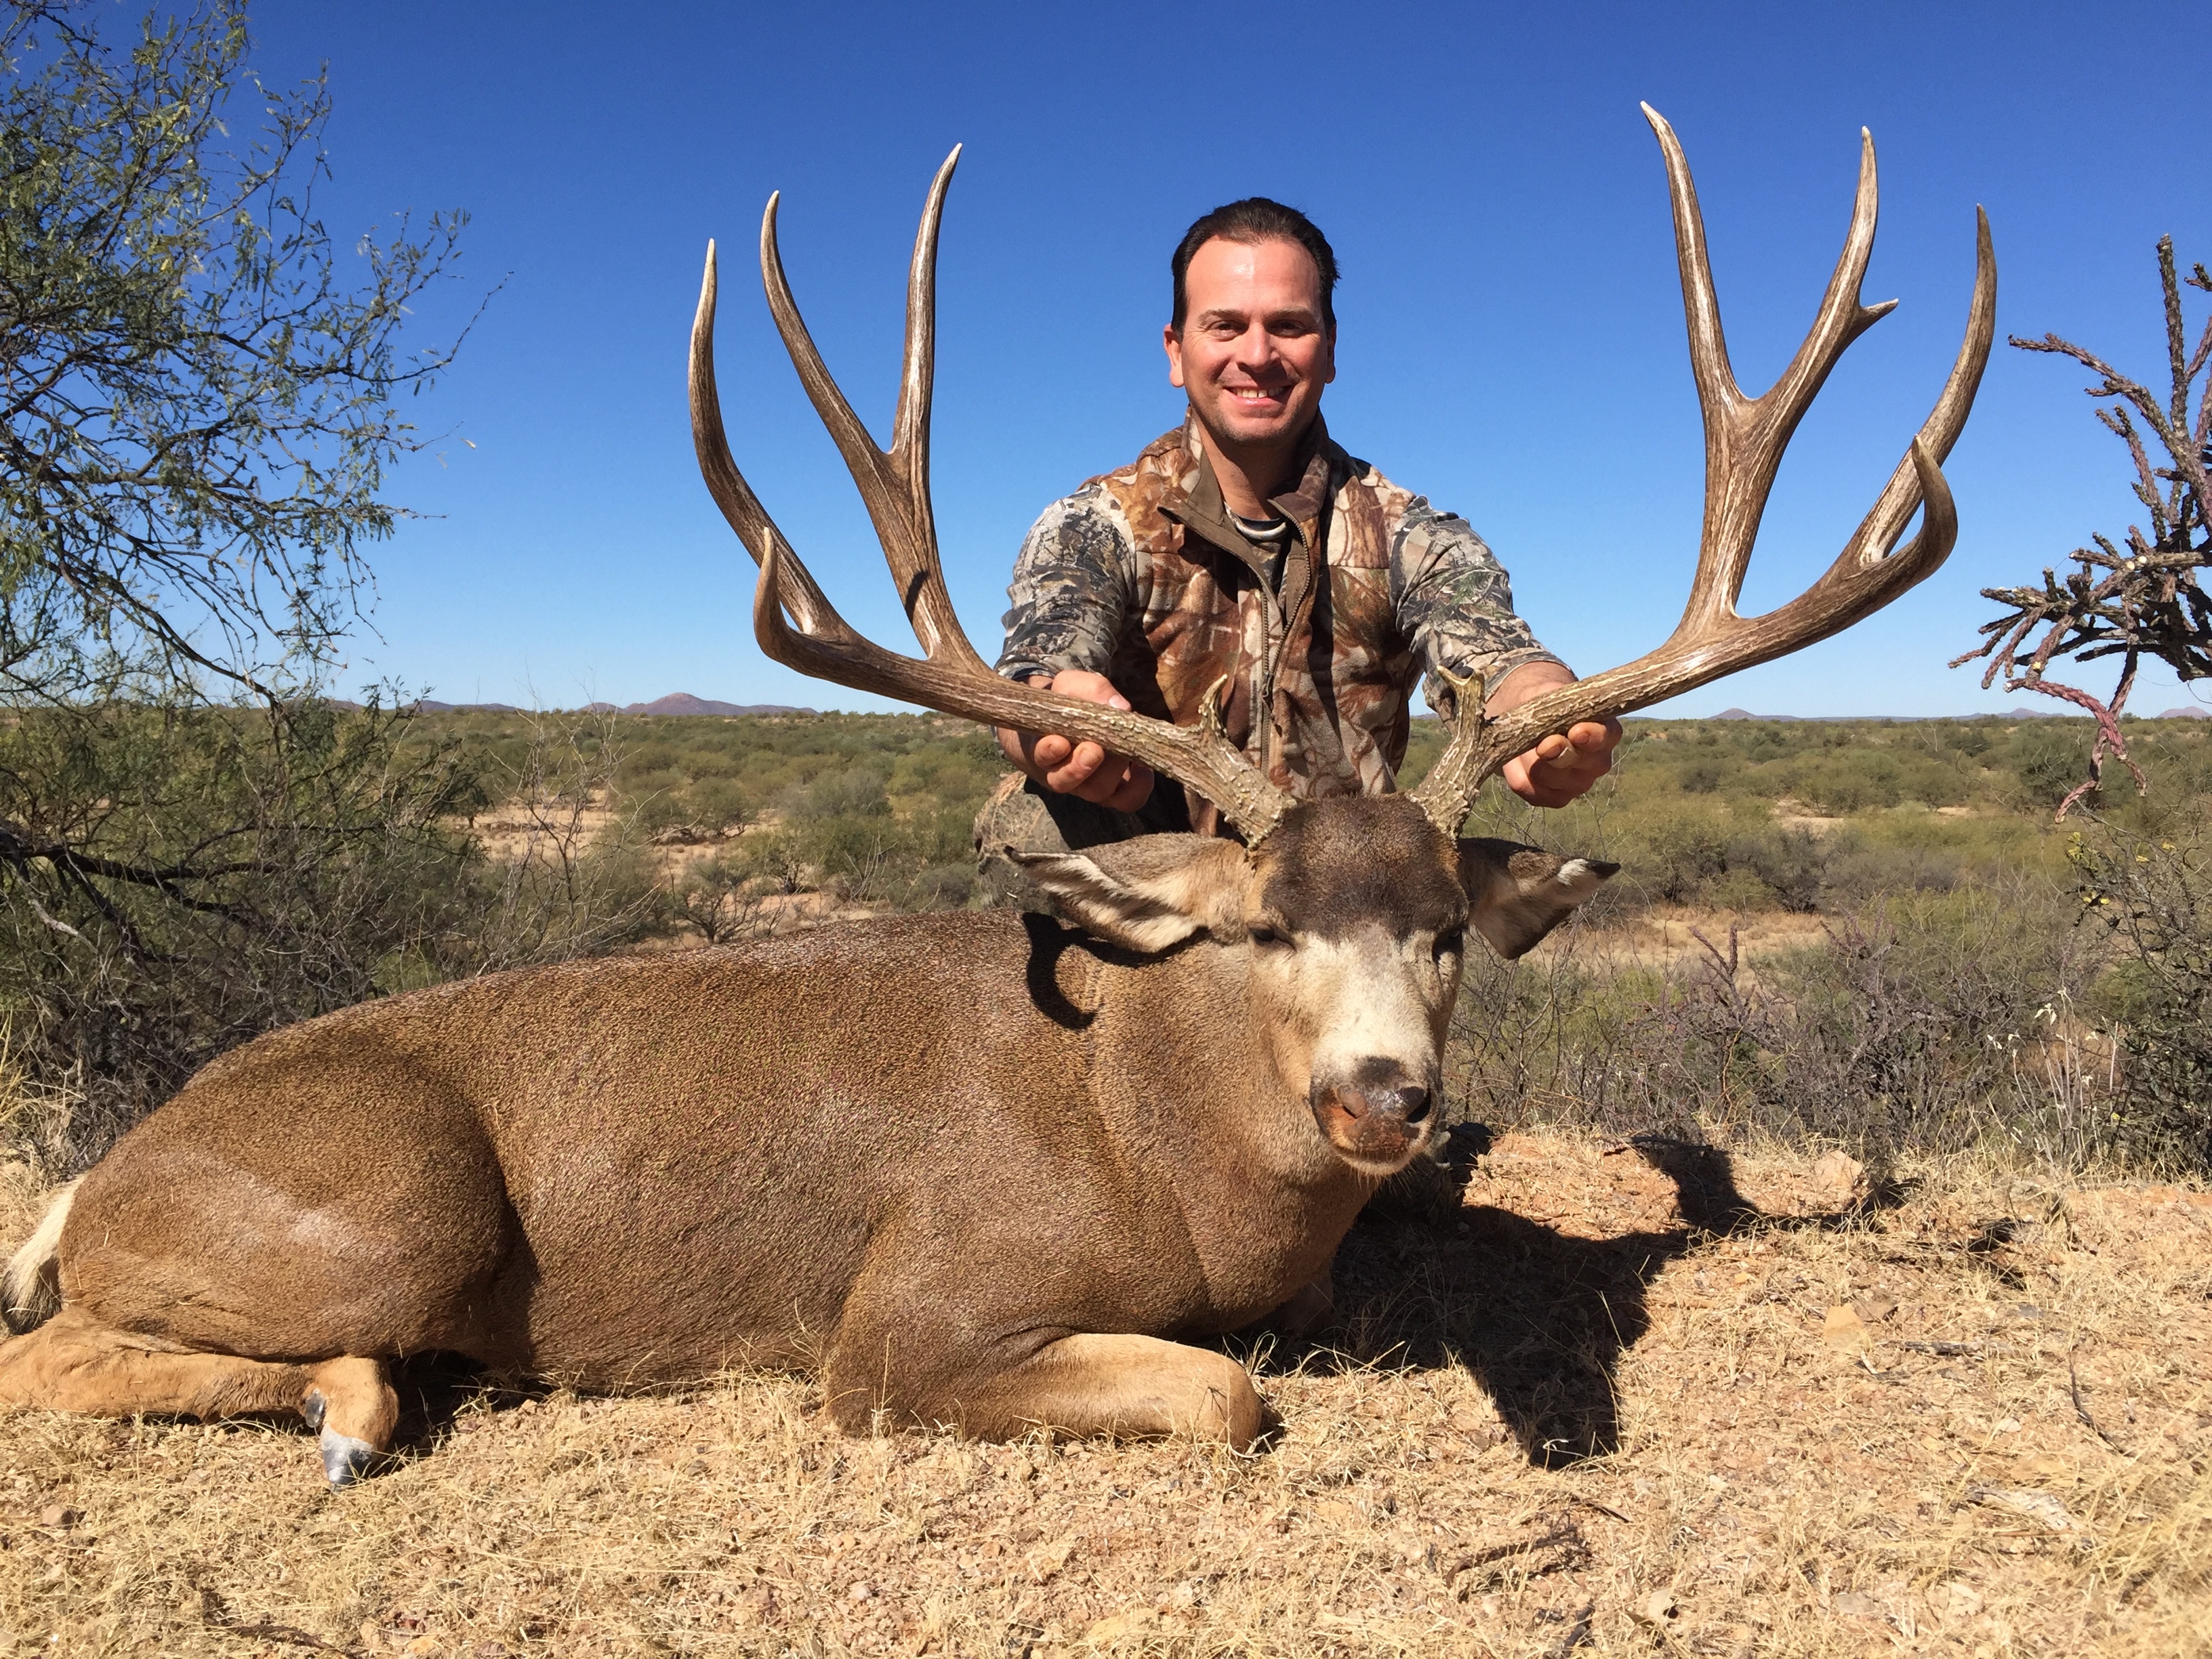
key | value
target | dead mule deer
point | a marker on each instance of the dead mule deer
(985, 1170)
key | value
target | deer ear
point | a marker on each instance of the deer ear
(1518, 893)
(1148, 893)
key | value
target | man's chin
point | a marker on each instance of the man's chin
(1241, 426)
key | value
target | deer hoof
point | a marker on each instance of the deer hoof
(346, 1459)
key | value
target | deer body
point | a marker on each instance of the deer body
(1021, 1162)
(648, 1170)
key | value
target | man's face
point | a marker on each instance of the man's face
(1253, 352)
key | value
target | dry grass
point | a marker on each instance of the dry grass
(1598, 1404)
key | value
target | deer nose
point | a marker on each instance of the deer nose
(1407, 1104)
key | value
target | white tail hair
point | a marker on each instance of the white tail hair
(31, 1285)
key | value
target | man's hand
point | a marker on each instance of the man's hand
(1083, 769)
(1559, 768)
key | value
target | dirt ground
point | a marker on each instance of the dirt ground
(1598, 1399)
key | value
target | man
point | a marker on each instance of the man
(1246, 544)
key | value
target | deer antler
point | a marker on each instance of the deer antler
(1744, 440)
(799, 627)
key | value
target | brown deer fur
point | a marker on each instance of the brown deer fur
(986, 1171)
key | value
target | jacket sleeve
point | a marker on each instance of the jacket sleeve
(1072, 589)
(1456, 603)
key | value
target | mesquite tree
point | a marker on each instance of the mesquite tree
(2144, 600)
(201, 387)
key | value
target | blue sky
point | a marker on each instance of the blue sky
(1511, 336)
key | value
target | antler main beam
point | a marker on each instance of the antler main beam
(1745, 438)
(797, 625)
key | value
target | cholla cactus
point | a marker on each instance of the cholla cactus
(2145, 599)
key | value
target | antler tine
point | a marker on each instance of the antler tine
(1744, 437)
(893, 484)
(798, 626)
(725, 483)
(1744, 441)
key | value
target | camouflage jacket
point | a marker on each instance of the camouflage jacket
(1142, 575)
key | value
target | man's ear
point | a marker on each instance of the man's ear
(1518, 893)
(1148, 893)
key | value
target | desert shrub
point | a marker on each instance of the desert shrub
(855, 792)
(1787, 867)
(178, 879)
(1911, 1024)
(2048, 760)
(2152, 888)
(1847, 782)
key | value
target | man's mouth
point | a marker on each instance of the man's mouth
(1258, 394)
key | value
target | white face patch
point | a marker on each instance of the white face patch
(1366, 997)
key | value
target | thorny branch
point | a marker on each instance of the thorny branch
(2146, 600)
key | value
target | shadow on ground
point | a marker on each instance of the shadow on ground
(1541, 1316)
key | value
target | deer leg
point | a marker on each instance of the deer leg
(1081, 1385)
(73, 1363)
(350, 1403)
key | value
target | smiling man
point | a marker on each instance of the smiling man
(1246, 545)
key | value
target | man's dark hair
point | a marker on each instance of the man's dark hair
(1257, 219)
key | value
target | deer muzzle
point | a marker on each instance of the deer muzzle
(1377, 1125)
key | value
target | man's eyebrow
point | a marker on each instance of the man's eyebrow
(1213, 314)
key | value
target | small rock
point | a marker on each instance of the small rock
(1839, 1173)
(1857, 1604)
(1874, 1309)
(1115, 1627)
(1658, 1608)
(59, 1514)
(2041, 1507)
(1843, 1328)
(862, 1592)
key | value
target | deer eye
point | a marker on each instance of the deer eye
(1266, 936)
(1450, 942)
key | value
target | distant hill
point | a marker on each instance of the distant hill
(2194, 712)
(683, 702)
(678, 702)
(2052, 713)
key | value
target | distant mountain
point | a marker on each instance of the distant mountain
(2194, 712)
(683, 702)
(432, 706)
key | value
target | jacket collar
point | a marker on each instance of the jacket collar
(1193, 495)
